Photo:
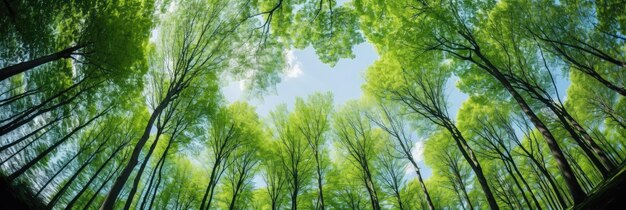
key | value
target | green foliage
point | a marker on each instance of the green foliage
(544, 81)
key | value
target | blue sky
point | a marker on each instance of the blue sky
(306, 74)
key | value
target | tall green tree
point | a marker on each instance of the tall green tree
(312, 121)
(361, 143)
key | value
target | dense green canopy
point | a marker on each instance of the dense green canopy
(118, 105)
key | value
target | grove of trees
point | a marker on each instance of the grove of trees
(118, 104)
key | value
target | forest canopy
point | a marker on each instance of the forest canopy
(120, 105)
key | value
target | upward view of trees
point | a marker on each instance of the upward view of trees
(512, 104)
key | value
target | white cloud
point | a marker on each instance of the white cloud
(418, 151)
(294, 69)
(418, 155)
(242, 85)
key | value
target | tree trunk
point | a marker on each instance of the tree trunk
(369, 184)
(400, 206)
(156, 188)
(237, 188)
(564, 167)
(27, 65)
(146, 160)
(517, 183)
(146, 196)
(109, 201)
(319, 181)
(51, 148)
(592, 144)
(546, 174)
(471, 159)
(84, 188)
(30, 114)
(462, 186)
(95, 195)
(294, 198)
(80, 151)
(576, 131)
(31, 133)
(69, 182)
(528, 189)
(618, 89)
(208, 194)
(422, 185)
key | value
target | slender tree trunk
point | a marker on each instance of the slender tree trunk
(546, 174)
(145, 193)
(610, 166)
(95, 195)
(369, 184)
(294, 197)
(509, 169)
(208, 193)
(584, 179)
(156, 188)
(457, 174)
(458, 196)
(237, 189)
(549, 195)
(605, 82)
(50, 149)
(422, 185)
(109, 201)
(579, 134)
(32, 112)
(145, 197)
(80, 151)
(12, 99)
(400, 205)
(84, 188)
(564, 167)
(471, 159)
(25, 146)
(528, 189)
(600, 161)
(10, 71)
(32, 133)
(69, 182)
(566, 170)
(319, 181)
(146, 160)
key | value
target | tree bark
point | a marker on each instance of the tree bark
(69, 182)
(32, 162)
(319, 180)
(13, 70)
(28, 115)
(98, 171)
(592, 144)
(154, 174)
(146, 160)
(471, 159)
(564, 167)
(95, 195)
(208, 194)
(369, 184)
(109, 201)
(429, 201)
